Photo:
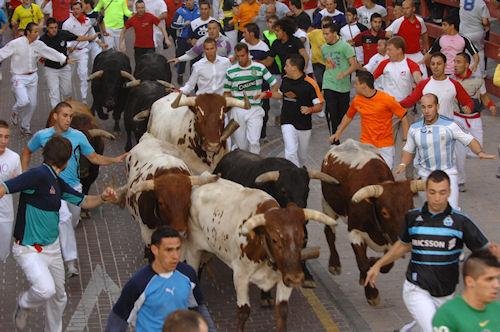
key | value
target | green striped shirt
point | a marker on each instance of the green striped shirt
(240, 80)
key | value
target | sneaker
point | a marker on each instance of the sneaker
(20, 317)
(26, 132)
(71, 270)
(462, 188)
(14, 118)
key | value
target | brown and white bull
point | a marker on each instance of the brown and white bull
(249, 232)
(158, 190)
(195, 125)
(373, 203)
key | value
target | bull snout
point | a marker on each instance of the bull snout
(293, 279)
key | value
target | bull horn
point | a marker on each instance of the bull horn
(253, 222)
(309, 253)
(147, 185)
(101, 133)
(233, 102)
(417, 185)
(127, 75)
(229, 130)
(96, 74)
(199, 180)
(141, 116)
(374, 190)
(322, 176)
(166, 84)
(268, 176)
(182, 100)
(132, 83)
(319, 217)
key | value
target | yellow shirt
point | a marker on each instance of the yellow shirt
(496, 76)
(27, 15)
(316, 40)
(247, 12)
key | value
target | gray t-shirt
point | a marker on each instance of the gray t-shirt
(471, 14)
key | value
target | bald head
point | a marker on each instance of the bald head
(429, 98)
(408, 8)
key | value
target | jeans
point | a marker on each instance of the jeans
(337, 104)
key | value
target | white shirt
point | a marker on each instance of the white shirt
(10, 167)
(398, 77)
(365, 14)
(348, 32)
(209, 76)
(471, 16)
(301, 34)
(372, 65)
(446, 92)
(85, 29)
(25, 56)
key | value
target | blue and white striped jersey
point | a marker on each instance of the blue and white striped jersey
(435, 143)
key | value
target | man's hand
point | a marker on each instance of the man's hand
(102, 44)
(109, 194)
(371, 275)
(104, 33)
(494, 249)
(335, 137)
(466, 110)
(400, 169)
(484, 155)
(340, 75)
(168, 42)
(121, 157)
(174, 61)
(306, 109)
(493, 110)
(187, 23)
(93, 37)
(261, 95)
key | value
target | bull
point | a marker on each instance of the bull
(158, 189)
(110, 71)
(195, 125)
(247, 230)
(279, 177)
(151, 67)
(84, 121)
(373, 203)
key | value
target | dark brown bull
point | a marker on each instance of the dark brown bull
(371, 200)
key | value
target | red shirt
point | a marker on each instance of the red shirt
(60, 9)
(369, 43)
(410, 32)
(14, 4)
(172, 6)
(143, 27)
(308, 4)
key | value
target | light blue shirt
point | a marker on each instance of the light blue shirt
(80, 144)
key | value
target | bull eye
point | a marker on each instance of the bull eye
(385, 213)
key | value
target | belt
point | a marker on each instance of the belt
(31, 73)
(467, 117)
(37, 246)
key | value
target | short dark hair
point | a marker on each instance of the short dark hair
(437, 176)
(287, 25)
(439, 55)
(163, 232)
(365, 77)
(476, 263)
(204, 2)
(253, 28)
(91, 2)
(209, 40)
(374, 16)
(4, 124)
(80, 4)
(352, 10)
(240, 46)
(325, 20)
(61, 105)
(140, 1)
(50, 20)
(57, 151)
(452, 20)
(30, 26)
(296, 3)
(333, 27)
(182, 321)
(297, 61)
(273, 17)
(465, 56)
(398, 42)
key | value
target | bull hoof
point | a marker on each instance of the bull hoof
(374, 302)
(266, 303)
(335, 270)
(85, 214)
(309, 284)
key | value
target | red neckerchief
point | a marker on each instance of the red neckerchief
(467, 74)
(82, 18)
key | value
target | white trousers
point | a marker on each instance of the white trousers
(45, 272)
(453, 199)
(94, 50)
(247, 136)
(82, 70)
(296, 144)
(418, 57)
(462, 151)
(25, 92)
(69, 216)
(387, 154)
(6, 228)
(59, 84)
(422, 306)
(113, 40)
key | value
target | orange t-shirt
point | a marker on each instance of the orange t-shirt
(376, 117)
(247, 13)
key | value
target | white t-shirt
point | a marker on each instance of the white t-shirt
(471, 14)
(302, 34)
(10, 167)
(364, 14)
(347, 33)
(398, 77)
(446, 92)
(372, 65)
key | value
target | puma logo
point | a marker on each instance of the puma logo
(483, 324)
(170, 290)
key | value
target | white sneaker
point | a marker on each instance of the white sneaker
(25, 132)
(20, 317)
(71, 270)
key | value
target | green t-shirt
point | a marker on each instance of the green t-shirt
(457, 316)
(336, 58)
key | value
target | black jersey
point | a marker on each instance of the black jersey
(437, 242)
